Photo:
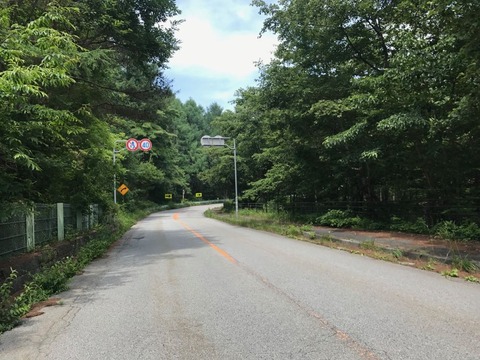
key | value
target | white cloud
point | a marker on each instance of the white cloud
(203, 48)
(218, 41)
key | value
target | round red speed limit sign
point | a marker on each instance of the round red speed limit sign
(132, 144)
(145, 145)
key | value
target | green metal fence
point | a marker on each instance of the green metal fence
(44, 223)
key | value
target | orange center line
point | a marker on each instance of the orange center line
(222, 252)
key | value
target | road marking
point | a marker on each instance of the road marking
(222, 252)
(361, 349)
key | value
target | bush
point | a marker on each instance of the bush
(340, 219)
(448, 230)
(417, 227)
(54, 279)
(464, 264)
(8, 316)
(293, 231)
(229, 206)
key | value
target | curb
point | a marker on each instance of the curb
(408, 253)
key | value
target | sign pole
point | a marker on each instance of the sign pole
(115, 151)
(131, 145)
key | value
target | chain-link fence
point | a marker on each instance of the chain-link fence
(13, 234)
(42, 224)
(69, 219)
(45, 223)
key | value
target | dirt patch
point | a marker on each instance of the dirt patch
(399, 257)
(420, 241)
(36, 310)
(27, 264)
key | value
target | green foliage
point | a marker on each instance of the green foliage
(91, 251)
(397, 253)
(365, 102)
(13, 308)
(417, 227)
(326, 238)
(449, 230)
(8, 312)
(450, 273)
(340, 219)
(229, 206)
(293, 231)
(473, 279)
(306, 227)
(465, 264)
(54, 279)
(430, 265)
(369, 245)
(72, 81)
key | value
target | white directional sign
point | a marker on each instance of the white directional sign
(132, 144)
(145, 145)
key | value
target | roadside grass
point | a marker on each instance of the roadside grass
(279, 223)
(267, 221)
(54, 279)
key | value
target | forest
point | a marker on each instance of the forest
(370, 109)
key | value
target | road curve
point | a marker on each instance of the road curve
(181, 286)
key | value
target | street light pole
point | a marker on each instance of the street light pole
(235, 167)
(219, 141)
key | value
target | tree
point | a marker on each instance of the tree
(35, 58)
(373, 96)
(71, 84)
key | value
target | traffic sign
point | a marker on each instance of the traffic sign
(145, 145)
(168, 196)
(123, 189)
(132, 144)
(198, 195)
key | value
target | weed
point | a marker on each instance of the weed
(307, 228)
(450, 273)
(55, 278)
(397, 254)
(7, 311)
(429, 266)
(293, 231)
(449, 230)
(369, 245)
(418, 227)
(339, 219)
(326, 238)
(464, 264)
(473, 279)
(381, 256)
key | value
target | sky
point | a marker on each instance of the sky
(219, 45)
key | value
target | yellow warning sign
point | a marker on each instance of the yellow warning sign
(123, 189)
(168, 196)
(198, 195)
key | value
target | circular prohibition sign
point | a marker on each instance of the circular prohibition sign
(132, 144)
(145, 145)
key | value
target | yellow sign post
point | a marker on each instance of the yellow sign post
(123, 189)
(168, 196)
(198, 195)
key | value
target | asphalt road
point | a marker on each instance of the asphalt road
(180, 286)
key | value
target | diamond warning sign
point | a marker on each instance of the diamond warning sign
(123, 189)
